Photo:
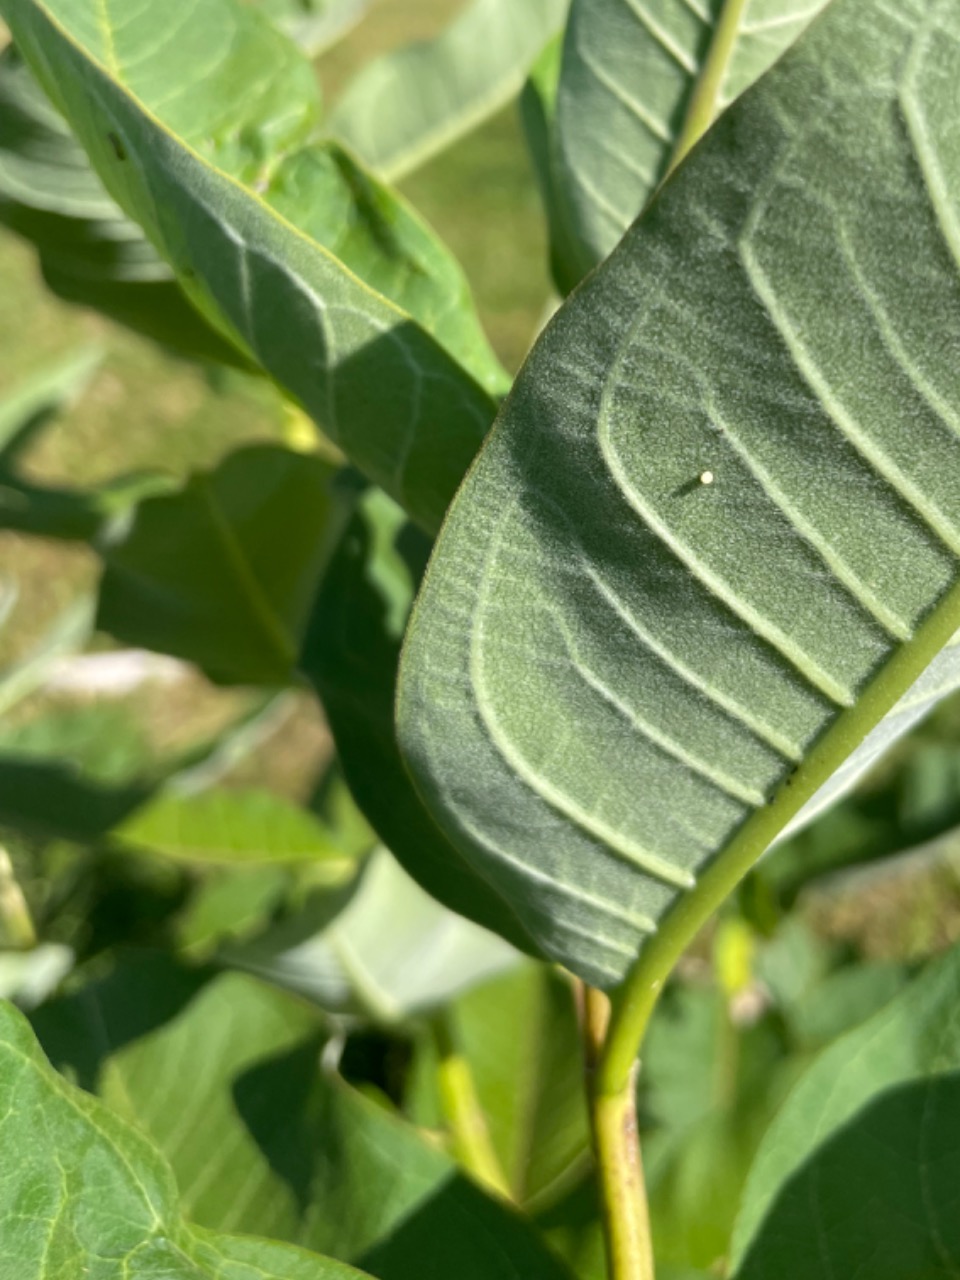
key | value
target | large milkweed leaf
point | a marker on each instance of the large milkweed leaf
(863, 1159)
(87, 1194)
(224, 1075)
(638, 77)
(350, 654)
(714, 536)
(308, 264)
(407, 105)
(90, 252)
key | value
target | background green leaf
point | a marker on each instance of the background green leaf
(387, 952)
(706, 549)
(229, 825)
(405, 106)
(350, 655)
(223, 572)
(862, 1162)
(88, 1190)
(224, 1075)
(519, 1036)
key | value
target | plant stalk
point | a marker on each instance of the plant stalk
(705, 100)
(616, 1147)
(464, 1114)
(15, 917)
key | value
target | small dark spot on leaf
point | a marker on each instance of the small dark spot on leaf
(119, 150)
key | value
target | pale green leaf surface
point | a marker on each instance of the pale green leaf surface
(89, 251)
(224, 1076)
(223, 572)
(633, 72)
(409, 104)
(168, 1049)
(858, 1174)
(519, 1036)
(714, 536)
(228, 825)
(391, 952)
(88, 1195)
(223, 176)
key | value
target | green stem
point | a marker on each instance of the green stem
(706, 94)
(616, 1149)
(636, 998)
(464, 1114)
(14, 913)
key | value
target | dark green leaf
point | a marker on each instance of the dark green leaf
(223, 572)
(538, 109)
(706, 549)
(350, 655)
(860, 1168)
(400, 1208)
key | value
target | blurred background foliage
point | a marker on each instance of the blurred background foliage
(198, 844)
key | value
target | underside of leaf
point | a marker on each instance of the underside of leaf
(713, 538)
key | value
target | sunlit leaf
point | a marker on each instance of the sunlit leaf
(88, 1194)
(304, 260)
(409, 104)
(224, 1075)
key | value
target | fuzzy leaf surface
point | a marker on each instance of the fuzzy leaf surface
(634, 72)
(714, 537)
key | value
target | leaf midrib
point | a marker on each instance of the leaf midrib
(87, 57)
(271, 624)
(705, 99)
